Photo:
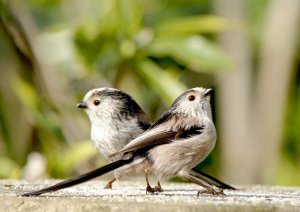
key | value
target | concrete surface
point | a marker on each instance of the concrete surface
(131, 196)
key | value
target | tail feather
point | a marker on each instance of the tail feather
(212, 180)
(80, 179)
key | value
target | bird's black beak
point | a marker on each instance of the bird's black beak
(208, 92)
(81, 105)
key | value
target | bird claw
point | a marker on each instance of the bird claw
(158, 189)
(150, 190)
(108, 186)
(212, 192)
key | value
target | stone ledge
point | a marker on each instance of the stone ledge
(131, 196)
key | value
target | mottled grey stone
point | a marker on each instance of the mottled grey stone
(131, 196)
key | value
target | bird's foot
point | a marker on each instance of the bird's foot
(108, 186)
(150, 190)
(158, 189)
(212, 192)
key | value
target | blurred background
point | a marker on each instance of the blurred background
(53, 51)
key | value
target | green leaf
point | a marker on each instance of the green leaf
(166, 84)
(194, 52)
(199, 24)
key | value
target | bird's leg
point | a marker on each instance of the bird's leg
(209, 189)
(109, 184)
(158, 188)
(210, 179)
(149, 189)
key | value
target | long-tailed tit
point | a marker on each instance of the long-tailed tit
(179, 140)
(116, 119)
(182, 138)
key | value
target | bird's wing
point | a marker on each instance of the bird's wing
(156, 133)
(160, 135)
(151, 137)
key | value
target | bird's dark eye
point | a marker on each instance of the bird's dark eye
(96, 102)
(192, 97)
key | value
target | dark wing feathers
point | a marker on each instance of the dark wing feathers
(149, 138)
(144, 124)
(192, 131)
(159, 135)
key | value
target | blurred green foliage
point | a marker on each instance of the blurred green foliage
(152, 49)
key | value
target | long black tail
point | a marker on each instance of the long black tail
(80, 179)
(212, 180)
